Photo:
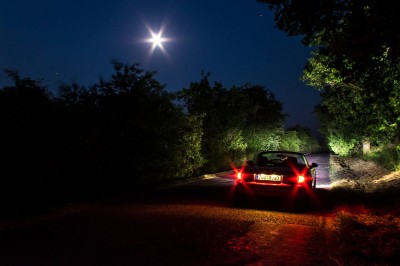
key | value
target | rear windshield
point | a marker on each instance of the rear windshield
(268, 159)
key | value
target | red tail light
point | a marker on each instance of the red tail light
(300, 179)
(239, 176)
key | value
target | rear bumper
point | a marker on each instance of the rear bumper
(273, 189)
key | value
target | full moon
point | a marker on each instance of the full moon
(157, 40)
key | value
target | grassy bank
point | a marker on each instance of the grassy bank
(367, 223)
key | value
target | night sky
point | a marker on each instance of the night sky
(67, 41)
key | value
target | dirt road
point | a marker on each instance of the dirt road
(168, 234)
(190, 224)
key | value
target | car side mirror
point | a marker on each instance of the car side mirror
(314, 165)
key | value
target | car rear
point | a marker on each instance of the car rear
(278, 180)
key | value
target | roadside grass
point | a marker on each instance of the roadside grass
(367, 238)
(366, 219)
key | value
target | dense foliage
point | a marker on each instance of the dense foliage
(87, 143)
(239, 122)
(356, 65)
(127, 132)
(236, 121)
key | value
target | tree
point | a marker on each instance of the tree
(30, 137)
(357, 30)
(222, 121)
(307, 143)
(355, 62)
(264, 125)
(140, 134)
(363, 110)
(237, 122)
(88, 143)
(290, 141)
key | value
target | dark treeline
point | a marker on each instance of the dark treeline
(128, 132)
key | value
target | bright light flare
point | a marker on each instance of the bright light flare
(237, 172)
(157, 40)
(239, 175)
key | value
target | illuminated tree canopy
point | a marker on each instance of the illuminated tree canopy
(355, 63)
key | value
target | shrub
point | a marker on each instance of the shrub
(340, 145)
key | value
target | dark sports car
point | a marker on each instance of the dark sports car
(277, 172)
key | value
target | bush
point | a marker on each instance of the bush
(262, 139)
(385, 154)
(340, 145)
(290, 141)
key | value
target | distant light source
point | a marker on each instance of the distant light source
(157, 39)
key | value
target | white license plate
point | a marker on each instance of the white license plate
(263, 177)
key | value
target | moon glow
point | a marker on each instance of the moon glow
(157, 40)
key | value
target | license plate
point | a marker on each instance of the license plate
(263, 177)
